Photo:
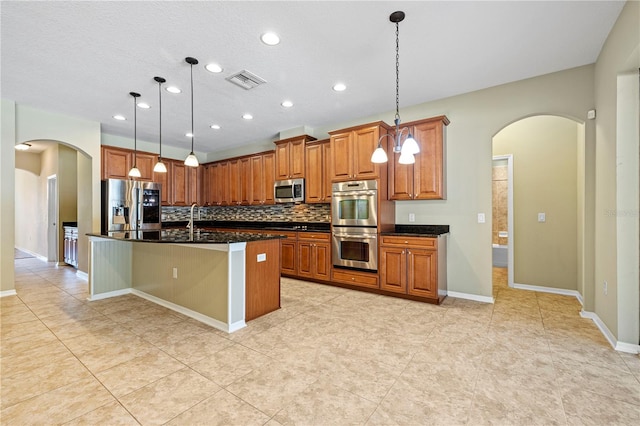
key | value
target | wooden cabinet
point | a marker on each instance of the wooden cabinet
(145, 163)
(351, 151)
(116, 162)
(288, 253)
(355, 278)
(290, 153)
(314, 255)
(234, 182)
(218, 183)
(426, 178)
(179, 184)
(245, 181)
(165, 182)
(318, 172)
(262, 178)
(413, 265)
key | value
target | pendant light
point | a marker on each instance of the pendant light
(191, 160)
(160, 167)
(410, 146)
(134, 172)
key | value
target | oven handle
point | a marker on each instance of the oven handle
(352, 193)
(356, 236)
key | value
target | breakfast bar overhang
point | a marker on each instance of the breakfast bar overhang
(222, 279)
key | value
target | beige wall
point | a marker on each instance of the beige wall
(620, 54)
(545, 151)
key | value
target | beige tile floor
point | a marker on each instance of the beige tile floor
(330, 356)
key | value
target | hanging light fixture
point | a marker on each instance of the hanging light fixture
(134, 172)
(191, 160)
(410, 147)
(160, 166)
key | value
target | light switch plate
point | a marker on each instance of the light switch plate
(542, 217)
(481, 218)
(175, 272)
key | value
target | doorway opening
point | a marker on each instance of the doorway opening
(502, 223)
(52, 218)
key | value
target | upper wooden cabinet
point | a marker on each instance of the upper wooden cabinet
(179, 195)
(219, 183)
(318, 172)
(290, 153)
(426, 178)
(116, 162)
(351, 151)
(262, 178)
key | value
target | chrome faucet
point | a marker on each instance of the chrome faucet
(191, 225)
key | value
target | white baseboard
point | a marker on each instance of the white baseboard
(82, 275)
(192, 314)
(615, 344)
(8, 293)
(477, 298)
(36, 255)
(109, 294)
(541, 289)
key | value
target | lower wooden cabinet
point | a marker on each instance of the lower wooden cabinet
(357, 278)
(314, 255)
(413, 265)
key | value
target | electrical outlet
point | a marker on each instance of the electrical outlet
(481, 218)
(175, 272)
(262, 257)
(412, 217)
(605, 288)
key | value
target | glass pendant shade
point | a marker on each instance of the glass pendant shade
(379, 156)
(191, 160)
(410, 145)
(134, 172)
(160, 167)
(406, 158)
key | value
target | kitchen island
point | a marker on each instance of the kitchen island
(220, 278)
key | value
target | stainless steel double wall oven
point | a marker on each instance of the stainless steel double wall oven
(354, 220)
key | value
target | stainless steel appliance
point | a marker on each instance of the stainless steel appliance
(129, 205)
(354, 220)
(289, 191)
(355, 247)
(355, 203)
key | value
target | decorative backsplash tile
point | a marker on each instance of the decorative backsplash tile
(272, 213)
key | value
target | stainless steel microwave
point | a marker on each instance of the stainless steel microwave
(289, 191)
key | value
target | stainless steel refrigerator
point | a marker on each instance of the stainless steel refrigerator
(129, 205)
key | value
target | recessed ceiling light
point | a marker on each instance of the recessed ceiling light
(215, 126)
(339, 87)
(287, 104)
(270, 39)
(23, 146)
(248, 117)
(119, 117)
(173, 89)
(143, 105)
(213, 68)
(189, 134)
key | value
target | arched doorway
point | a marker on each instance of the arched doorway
(545, 242)
(72, 169)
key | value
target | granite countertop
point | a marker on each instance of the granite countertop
(182, 236)
(70, 224)
(267, 226)
(419, 230)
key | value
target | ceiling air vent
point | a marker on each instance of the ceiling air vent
(246, 79)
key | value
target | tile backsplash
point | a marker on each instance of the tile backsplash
(271, 213)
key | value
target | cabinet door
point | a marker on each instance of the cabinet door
(422, 277)
(289, 253)
(194, 178)
(400, 179)
(179, 184)
(314, 183)
(245, 181)
(341, 156)
(428, 170)
(145, 163)
(322, 255)
(393, 269)
(364, 143)
(257, 177)
(305, 259)
(269, 165)
(282, 161)
(224, 184)
(296, 159)
(116, 163)
(164, 179)
(234, 182)
(326, 172)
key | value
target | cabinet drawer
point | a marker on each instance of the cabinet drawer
(421, 242)
(314, 236)
(355, 278)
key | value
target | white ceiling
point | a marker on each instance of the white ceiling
(83, 58)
